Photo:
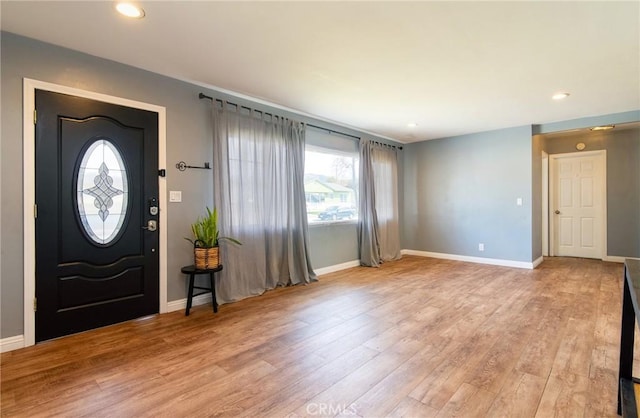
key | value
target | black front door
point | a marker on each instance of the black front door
(97, 201)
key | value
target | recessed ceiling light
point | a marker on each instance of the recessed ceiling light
(603, 127)
(412, 124)
(130, 10)
(560, 96)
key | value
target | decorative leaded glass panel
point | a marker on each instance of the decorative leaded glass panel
(102, 191)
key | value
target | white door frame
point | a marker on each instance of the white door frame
(545, 204)
(29, 195)
(602, 155)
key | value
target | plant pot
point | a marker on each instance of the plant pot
(206, 258)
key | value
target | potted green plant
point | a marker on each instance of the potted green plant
(205, 240)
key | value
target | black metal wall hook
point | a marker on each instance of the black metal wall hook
(183, 166)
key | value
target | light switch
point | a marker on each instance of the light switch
(519, 201)
(175, 196)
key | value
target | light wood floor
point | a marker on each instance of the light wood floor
(416, 338)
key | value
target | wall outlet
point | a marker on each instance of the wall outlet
(481, 247)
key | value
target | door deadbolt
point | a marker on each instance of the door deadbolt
(151, 225)
(153, 206)
(557, 212)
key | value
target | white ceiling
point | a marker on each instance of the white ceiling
(451, 67)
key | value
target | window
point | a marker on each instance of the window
(102, 191)
(330, 184)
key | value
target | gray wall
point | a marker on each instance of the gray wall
(333, 244)
(623, 182)
(188, 139)
(461, 191)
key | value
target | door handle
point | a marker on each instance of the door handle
(557, 212)
(152, 225)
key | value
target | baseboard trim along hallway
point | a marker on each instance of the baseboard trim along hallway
(480, 260)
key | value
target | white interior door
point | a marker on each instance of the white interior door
(577, 204)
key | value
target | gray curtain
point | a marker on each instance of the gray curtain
(258, 165)
(368, 243)
(379, 230)
(385, 179)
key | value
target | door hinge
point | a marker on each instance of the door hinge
(35, 116)
(35, 304)
(35, 211)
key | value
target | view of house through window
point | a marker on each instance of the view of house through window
(330, 185)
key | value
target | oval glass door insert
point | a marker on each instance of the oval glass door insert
(102, 192)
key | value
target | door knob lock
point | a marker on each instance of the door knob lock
(152, 225)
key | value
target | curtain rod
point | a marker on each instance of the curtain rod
(204, 96)
(356, 138)
(386, 145)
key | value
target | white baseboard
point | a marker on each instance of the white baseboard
(537, 262)
(337, 267)
(181, 304)
(480, 260)
(616, 259)
(11, 343)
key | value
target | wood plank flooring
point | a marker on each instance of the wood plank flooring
(418, 337)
